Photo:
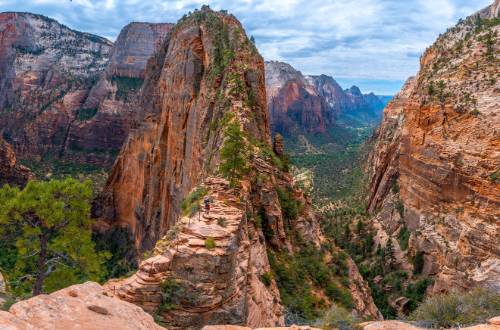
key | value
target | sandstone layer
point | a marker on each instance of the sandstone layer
(301, 104)
(436, 159)
(46, 72)
(70, 95)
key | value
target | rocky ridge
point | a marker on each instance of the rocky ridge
(434, 169)
(218, 261)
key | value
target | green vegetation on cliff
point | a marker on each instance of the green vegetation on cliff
(47, 236)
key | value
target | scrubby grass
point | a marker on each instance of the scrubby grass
(191, 204)
(210, 243)
(458, 309)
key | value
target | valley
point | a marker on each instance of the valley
(175, 179)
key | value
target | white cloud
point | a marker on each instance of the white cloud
(365, 39)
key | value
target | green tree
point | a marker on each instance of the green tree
(233, 153)
(52, 233)
(389, 254)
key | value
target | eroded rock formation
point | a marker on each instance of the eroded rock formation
(83, 306)
(46, 72)
(436, 161)
(206, 74)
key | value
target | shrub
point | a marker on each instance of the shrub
(475, 112)
(267, 278)
(403, 238)
(400, 207)
(458, 309)
(86, 114)
(337, 318)
(210, 243)
(222, 222)
(191, 204)
(172, 292)
(418, 263)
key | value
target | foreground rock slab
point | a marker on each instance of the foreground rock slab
(82, 306)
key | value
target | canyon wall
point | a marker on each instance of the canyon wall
(11, 172)
(435, 165)
(68, 95)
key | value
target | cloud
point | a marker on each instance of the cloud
(369, 41)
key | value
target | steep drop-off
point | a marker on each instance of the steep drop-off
(435, 167)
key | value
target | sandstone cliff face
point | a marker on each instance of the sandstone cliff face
(438, 147)
(10, 171)
(46, 72)
(206, 73)
(113, 102)
(294, 105)
(71, 95)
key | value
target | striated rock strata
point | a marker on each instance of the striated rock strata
(301, 104)
(437, 161)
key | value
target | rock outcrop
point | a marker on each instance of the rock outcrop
(310, 104)
(83, 306)
(10, 171)
(435, 166)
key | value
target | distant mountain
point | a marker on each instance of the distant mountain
(301, 104)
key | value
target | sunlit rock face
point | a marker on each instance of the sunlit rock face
(11, 172)
(437, 152)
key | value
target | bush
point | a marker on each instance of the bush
(337, 318)
(191, 204)
(418, 263)
(172, 292)
(222, 222)
(458, 309)
(86, 114)
(210, 243)
(403, 238)
(267, 278)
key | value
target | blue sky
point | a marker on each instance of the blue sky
(375, 44)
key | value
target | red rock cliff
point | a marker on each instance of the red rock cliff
(439, 144)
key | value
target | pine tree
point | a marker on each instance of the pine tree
(389, 254)
(233, 153)
(50, 224)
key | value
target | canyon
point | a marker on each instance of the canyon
(157, 107)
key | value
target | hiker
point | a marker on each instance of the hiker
(206, 201)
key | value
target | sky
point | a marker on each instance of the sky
(374, 44)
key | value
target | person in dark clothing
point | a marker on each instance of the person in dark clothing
(206, 201)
